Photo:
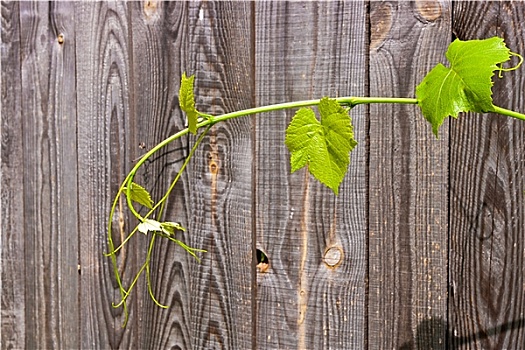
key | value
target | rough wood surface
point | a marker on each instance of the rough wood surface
(423, 248)
(48, 106)
(305, 51)
(487, 201)
(218, 196)
(212, 308)
(408, 182)
(159, 32)
(105, 148)
(13, 283)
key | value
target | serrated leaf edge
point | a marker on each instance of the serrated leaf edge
(321, 126)
(135, 198)
(435, 126)
(187, 101)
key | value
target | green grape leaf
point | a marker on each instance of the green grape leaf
(324, 146)
(140, 195)
(187, 102)
(466, 85)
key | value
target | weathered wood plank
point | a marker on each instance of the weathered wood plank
(105, 153)
(160, 35)
(12, 288)
(408, 181)
(125, 60)
(218, 186)
(487, 180)
(304, 51)
(152, 117)
(50, 182)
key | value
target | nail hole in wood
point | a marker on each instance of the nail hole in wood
(213, 168)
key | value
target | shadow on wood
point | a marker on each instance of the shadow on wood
(430, 334)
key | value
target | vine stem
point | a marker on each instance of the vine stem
(350, 101)
(208, 123)
(509, 113)
(211, 120)
(126, 185)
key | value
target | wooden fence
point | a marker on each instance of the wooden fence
(423, 248)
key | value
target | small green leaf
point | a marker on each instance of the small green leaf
(167, 227)
(187, 101)
(190, 250)
(149, 225)
(466, 85)
(323, 146)
(140, 195)
(170, 227)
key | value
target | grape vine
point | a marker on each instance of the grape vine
(322, 145)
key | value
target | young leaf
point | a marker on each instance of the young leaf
(187, 101)
(323, 146)
(149, 225)
(466, 85)
(140, 195)
(169, 228)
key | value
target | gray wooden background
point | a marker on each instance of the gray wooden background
(424, 248)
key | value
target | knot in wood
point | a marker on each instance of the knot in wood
(150, 8)
(214, 169)
(380, 24)
(429, 10)
(333, 257)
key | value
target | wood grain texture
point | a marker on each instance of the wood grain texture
(304, 51)
(50, 191)
(408, 182)
(105, 148)
(218, 190)
(487, 182)
(423, 248)
(12, 287)
(160, 35)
